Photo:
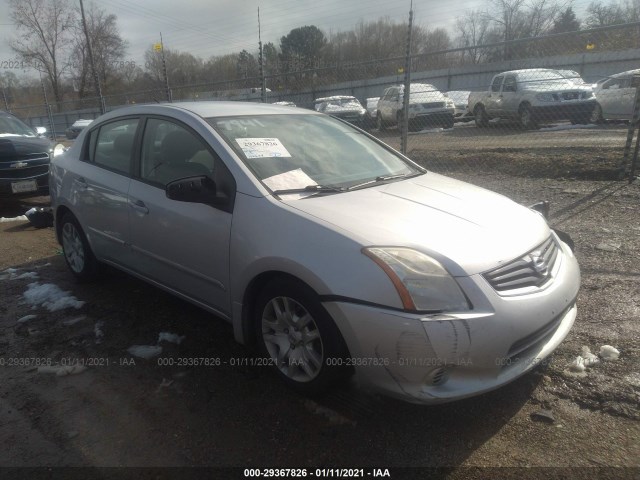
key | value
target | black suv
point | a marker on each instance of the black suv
(24, 159)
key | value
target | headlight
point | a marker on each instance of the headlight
(588, 94)
(422, 282)
(545, 97)
(58, 149)
(450, 103)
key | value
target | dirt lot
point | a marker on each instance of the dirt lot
(121, 414)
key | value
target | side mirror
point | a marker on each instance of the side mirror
(200, 189)
(41, 131)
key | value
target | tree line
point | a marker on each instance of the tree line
(50, 40)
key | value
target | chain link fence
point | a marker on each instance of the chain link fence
(557, 106)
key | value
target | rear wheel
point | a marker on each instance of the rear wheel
(481, 118)
(299, 338)
(77, 252)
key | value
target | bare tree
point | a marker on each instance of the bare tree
(45, 29)
(473, 31)
(108, 50)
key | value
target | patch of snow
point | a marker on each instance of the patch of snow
(62, 371)
(607, 352)
(73, 321)
(589, 358)
(19, 218)
(556, 128)
(170, 337)
(50, 296)
(26, 318)
(29, 275)
(576, 368)
(145, 351)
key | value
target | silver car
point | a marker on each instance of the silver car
(615, 97)
(329, 251)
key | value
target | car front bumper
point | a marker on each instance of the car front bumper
(430, 359)
(562, 111)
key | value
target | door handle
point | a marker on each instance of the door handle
(139, 206)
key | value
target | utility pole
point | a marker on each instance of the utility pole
(404, 128)
(164, 70)
(6, 103)
(96, 79)
(49, 113)
(263, 83)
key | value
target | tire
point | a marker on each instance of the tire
(77, 252)
(481, 118)
(380, 122)
(596, 115)
(526, 117)
(295, 332)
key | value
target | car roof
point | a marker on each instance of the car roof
(211, 109)
(335, 97)
(527, 70)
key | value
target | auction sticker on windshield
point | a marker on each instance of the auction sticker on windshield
(262, 147)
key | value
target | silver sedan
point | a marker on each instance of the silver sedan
(328, 251)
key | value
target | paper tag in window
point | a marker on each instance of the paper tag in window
(287, 180)
(262, 147)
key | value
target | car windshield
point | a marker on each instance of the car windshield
(10, 126)
(298, 151)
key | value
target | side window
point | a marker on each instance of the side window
(612, 84)
(509, 84)
(171, 152)
(497, 82)
(111, 146)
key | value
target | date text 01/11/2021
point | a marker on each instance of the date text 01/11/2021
(318, 472)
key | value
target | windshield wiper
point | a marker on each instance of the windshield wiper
(311, 188)
(384, 178)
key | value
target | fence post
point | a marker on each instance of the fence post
(49, 113)
(404, 124)
(633, 125)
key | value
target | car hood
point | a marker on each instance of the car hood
(18, 147)
(469, 229)
(555, 86)
(426, 97)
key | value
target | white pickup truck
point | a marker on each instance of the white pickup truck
(533, 96)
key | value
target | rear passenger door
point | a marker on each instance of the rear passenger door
(183, 246)
(101, 184)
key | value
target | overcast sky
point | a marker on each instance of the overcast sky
(215, 27)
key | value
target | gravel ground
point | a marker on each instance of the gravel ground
(122, 414)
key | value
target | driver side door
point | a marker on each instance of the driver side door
(182, 246)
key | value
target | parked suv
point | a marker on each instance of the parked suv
(532, 96)
(24, 159)
(427, 106)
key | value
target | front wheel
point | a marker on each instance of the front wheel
(596, 115)
(526, 117)
(77, 252)
(299, 338)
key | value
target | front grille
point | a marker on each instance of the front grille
(36, 164)
(532, 270)
(433, 105)
(571, 95)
